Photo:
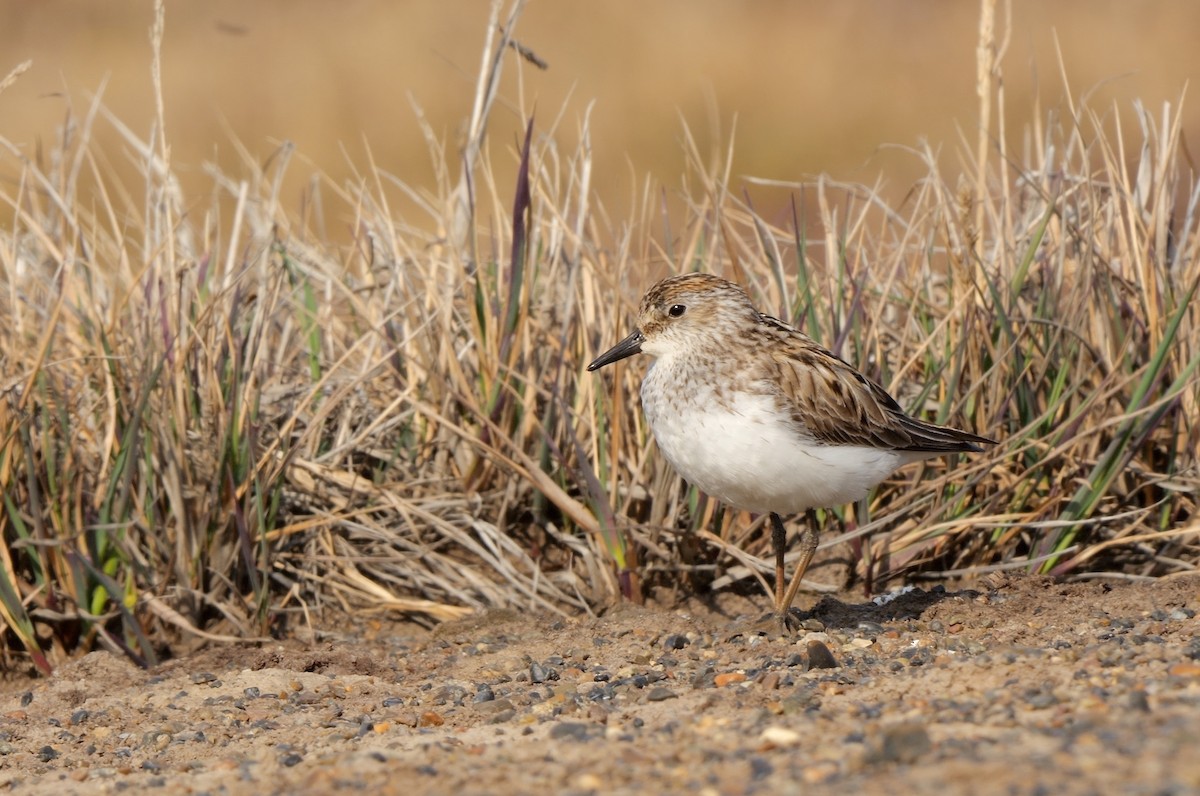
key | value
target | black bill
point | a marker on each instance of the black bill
(626, 348)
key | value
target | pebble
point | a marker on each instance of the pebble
(660, 694)
(780, 736)
(707, 742)
(900, 743)
(770, 681)
(760, 768)
(820, 772)
(572, 731)
(494, 706)
(1137, 701)
(540, 674)
(798, 702)
(819, 656)
(431, 719)
(589, 782)
(1185, 669)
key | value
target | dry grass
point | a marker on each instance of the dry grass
(215, 421)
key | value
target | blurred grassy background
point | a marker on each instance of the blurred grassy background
(816, 86)
(232, 422)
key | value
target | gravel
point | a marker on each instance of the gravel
(1016, 685)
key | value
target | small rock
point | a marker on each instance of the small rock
(728, 678)
(540, 674)
(819, 772)
(571, 731)
(1185, 669)
(798, 702)
(589, 783)
(494, 706)
(770, 681)
(760, 769)
(780, 737)
(901, 743)
(660, 694)
(1042, 700)
(675, 641)
(1137, 701)
(819, 656)
(431, 719)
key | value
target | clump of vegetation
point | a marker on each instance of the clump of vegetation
(215, 420)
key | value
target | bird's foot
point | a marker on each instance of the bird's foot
(787, 621)
(774, 624)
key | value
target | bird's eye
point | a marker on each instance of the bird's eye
(676, 310)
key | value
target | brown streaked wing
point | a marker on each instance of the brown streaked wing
(840, 406)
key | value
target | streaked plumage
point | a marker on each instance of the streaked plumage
(757, 414)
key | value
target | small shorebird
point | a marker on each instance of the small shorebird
(756, 414)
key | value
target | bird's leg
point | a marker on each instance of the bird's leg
(779, 543)
(809, 538)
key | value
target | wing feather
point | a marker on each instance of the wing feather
(838, 405)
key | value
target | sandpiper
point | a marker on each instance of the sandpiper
(756, 414)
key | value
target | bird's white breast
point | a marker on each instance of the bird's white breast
(739, 449)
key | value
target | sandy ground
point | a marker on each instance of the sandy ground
(1020, 685)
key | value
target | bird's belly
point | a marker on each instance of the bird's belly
(753, 459)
